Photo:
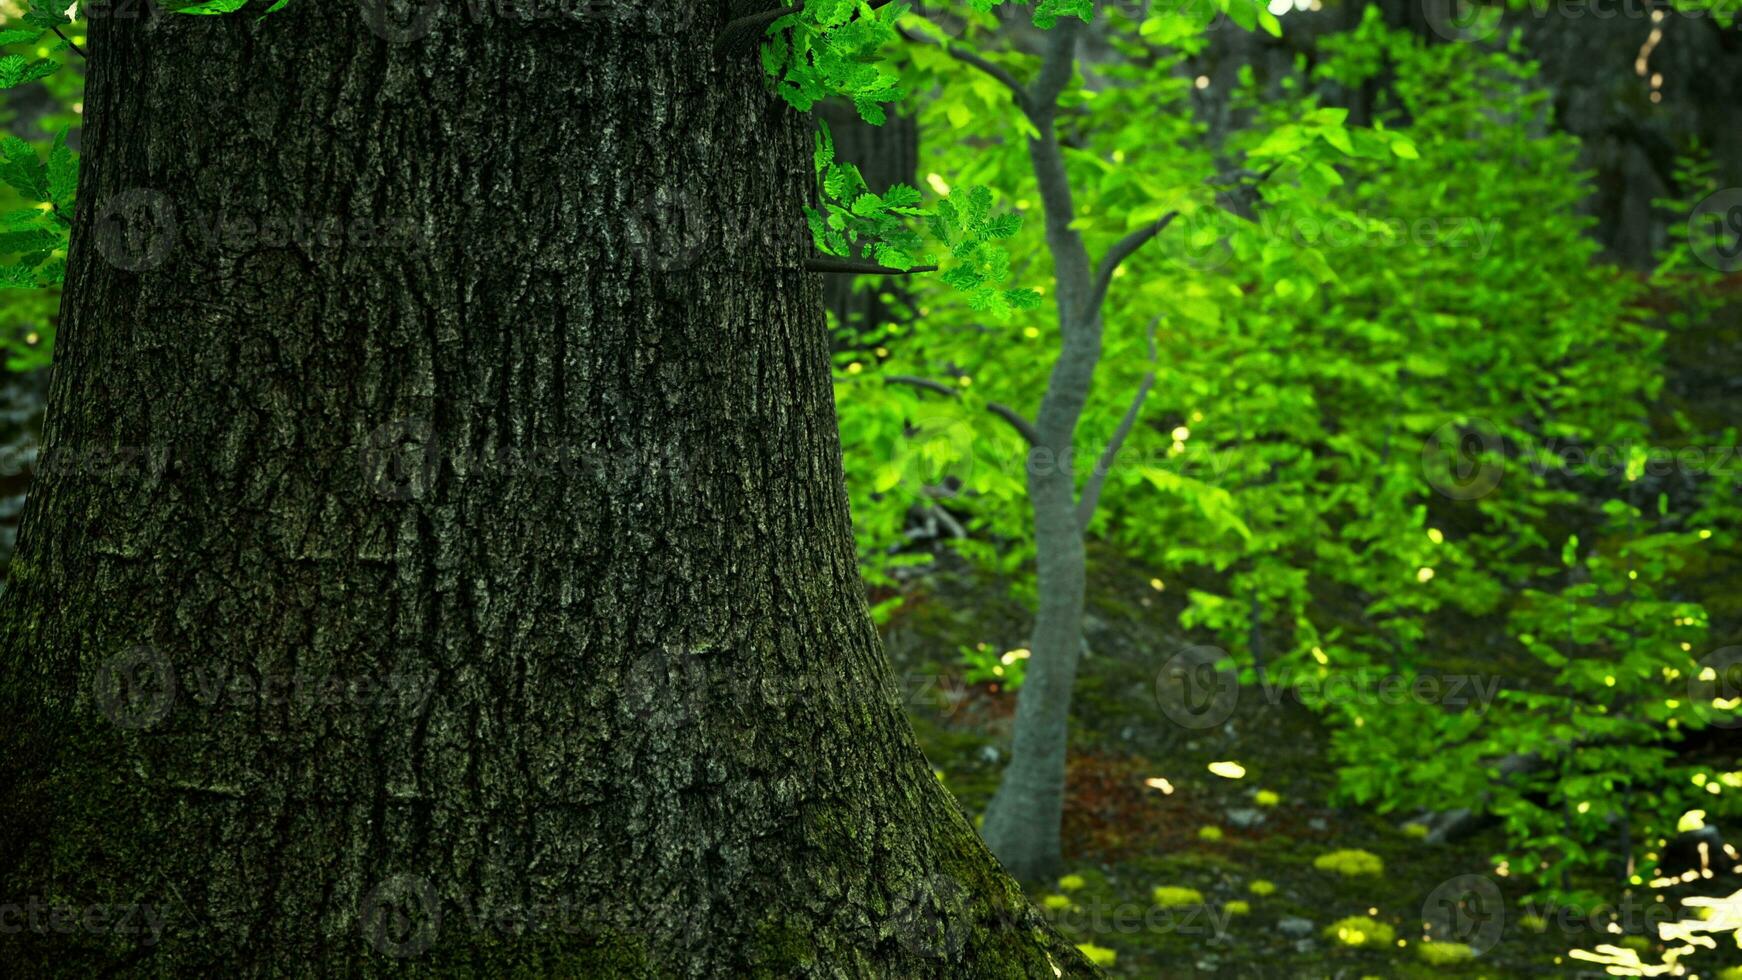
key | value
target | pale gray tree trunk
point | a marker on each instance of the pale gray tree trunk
(1022, 822)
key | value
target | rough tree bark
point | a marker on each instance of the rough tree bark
(465, 583)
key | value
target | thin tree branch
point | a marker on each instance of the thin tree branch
(927, 383)
(1091, 496)
(78, 50)
(1120, 251)
(830, 263)
(1023, 427)
(969, 58)
(1123, 249)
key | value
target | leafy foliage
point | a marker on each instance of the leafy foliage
(963, 228)
(1331, 346)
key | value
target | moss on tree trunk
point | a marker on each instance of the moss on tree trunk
(440, 561)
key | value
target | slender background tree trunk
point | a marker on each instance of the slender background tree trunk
(441, 557)
(1023, 820)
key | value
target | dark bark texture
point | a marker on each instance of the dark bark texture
(440, 561)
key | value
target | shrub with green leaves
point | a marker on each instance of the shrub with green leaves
(1336, 328)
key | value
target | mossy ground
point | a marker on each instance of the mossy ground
(1124, 837)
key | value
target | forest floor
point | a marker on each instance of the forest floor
(1124, 836)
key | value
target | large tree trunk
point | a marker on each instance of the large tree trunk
(470, 586)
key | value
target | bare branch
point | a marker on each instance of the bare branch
(1091, 496)
(927, 383)
(830, 263)
(1017, 91)
(1023, 427)
(1120, 251)
(80, 51)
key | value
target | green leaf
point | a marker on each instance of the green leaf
(22, 169)
(16, 70)
(63, 175)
